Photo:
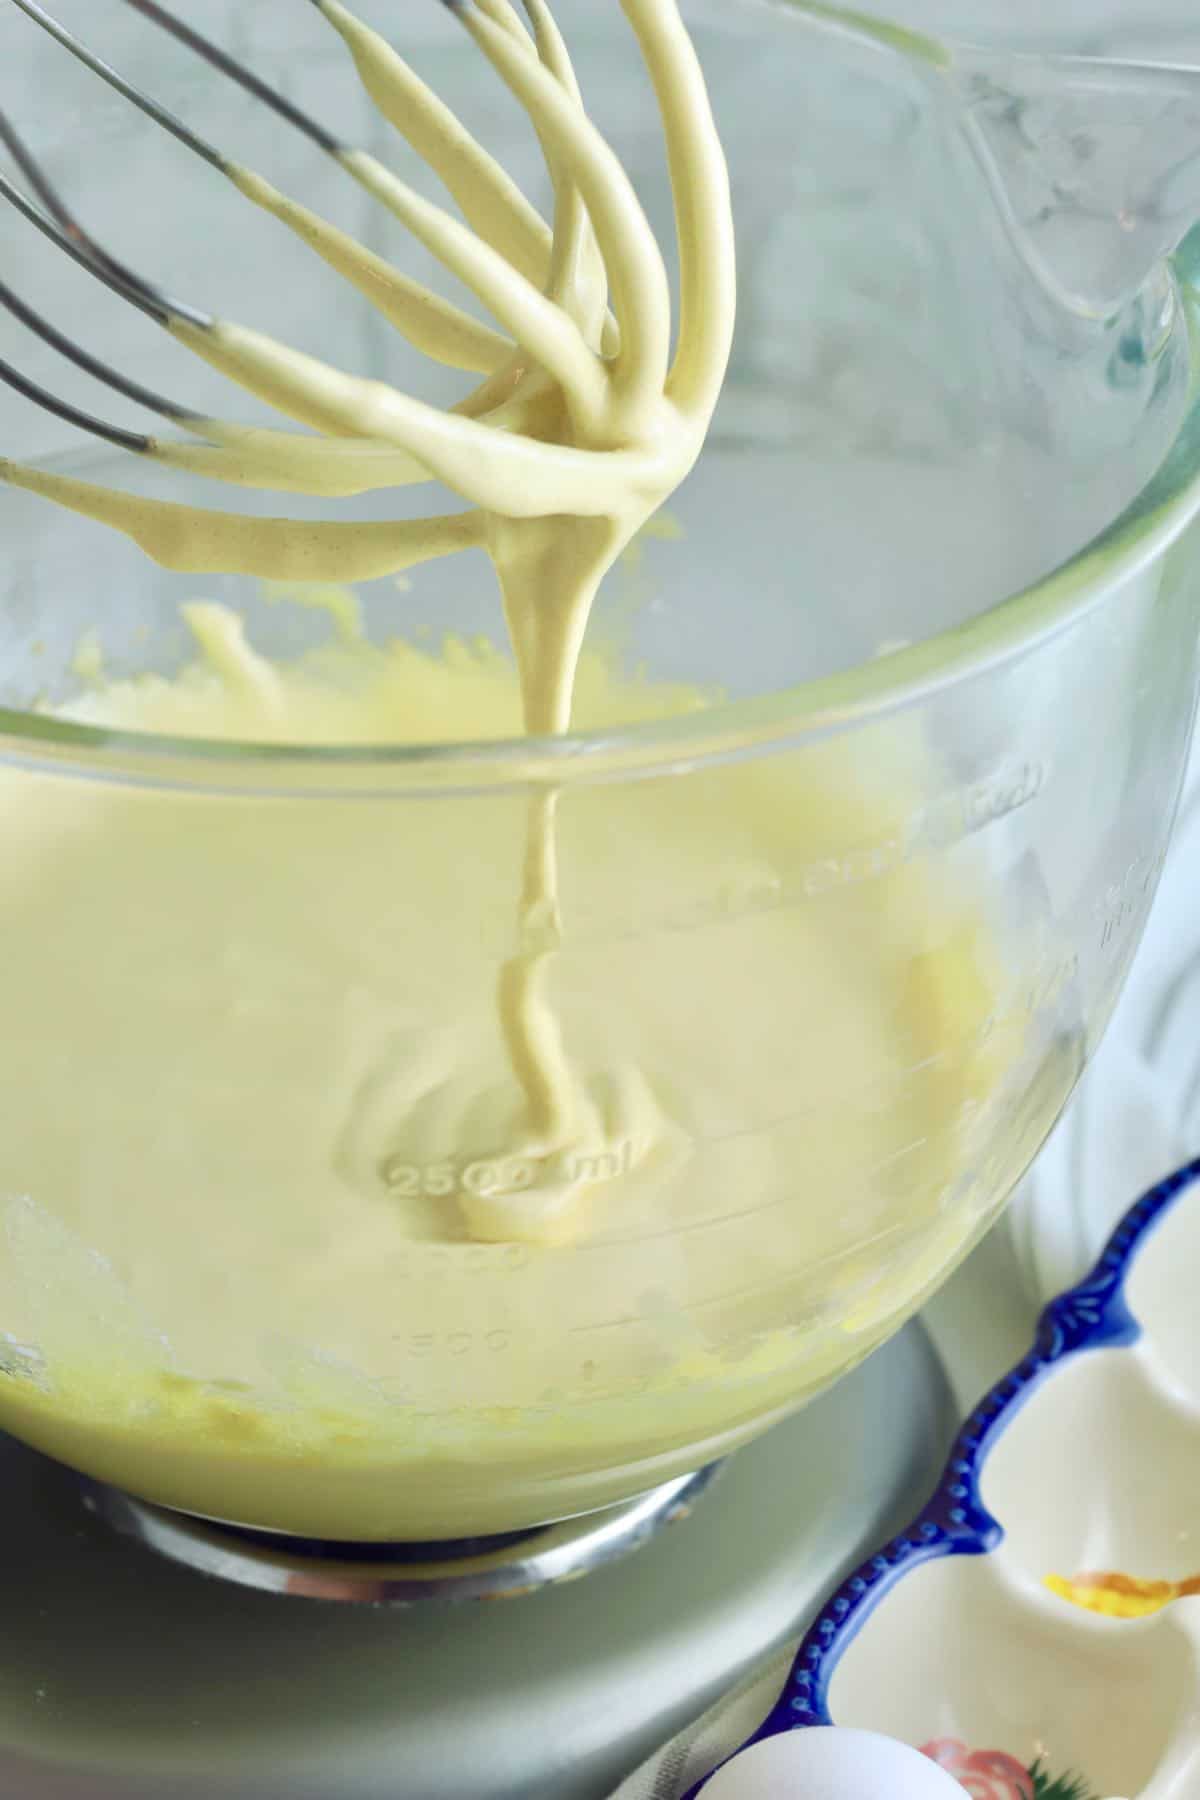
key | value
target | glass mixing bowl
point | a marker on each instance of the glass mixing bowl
(872, 780)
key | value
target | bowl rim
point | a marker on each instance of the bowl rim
(783, 719)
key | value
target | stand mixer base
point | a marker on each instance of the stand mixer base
(460, 1570)
(125, 1675)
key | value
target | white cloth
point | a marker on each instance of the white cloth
(699, 1749)
(1136, 1116)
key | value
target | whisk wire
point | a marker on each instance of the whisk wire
(236, 71)
(61, 226)
(98, 66)
(72, 415)
(91, 365)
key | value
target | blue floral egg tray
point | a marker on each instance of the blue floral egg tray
(1036, 1630)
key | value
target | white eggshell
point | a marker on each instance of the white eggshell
(831, 1765)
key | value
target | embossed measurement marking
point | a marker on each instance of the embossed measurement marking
(505, 1174)
(739, 1295)
(1122, 900)
(936, 826)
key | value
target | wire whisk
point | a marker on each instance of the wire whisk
(578, 380)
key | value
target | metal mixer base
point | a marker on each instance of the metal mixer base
(401, 1574)
(126, 1676)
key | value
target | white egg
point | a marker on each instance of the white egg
(831, 1765)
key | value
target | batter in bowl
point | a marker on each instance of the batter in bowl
(338, 1200)
(260, 1081)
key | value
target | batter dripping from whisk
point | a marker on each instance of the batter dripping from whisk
(566, 451)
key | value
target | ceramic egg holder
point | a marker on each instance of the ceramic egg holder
(991, 1634)
(1082, 1465)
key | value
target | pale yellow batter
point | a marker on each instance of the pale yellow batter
(259, 1054)
(340, 1195)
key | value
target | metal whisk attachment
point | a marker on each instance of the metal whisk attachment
(573, 396)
